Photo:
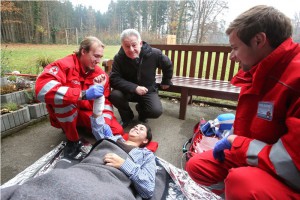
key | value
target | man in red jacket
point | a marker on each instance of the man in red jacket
(66, 86)
(261, 159)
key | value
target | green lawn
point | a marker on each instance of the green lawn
(23, 57)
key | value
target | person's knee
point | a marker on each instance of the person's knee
(155, 113)
(154, 110)
(192, 168)
(115, 96)
(239, 184)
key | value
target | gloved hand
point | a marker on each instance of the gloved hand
(94, 92)
(219, 148)
(107, 130)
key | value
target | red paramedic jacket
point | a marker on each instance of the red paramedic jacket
(267, 118)
(65, 80)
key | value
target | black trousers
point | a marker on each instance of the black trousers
(149, 105)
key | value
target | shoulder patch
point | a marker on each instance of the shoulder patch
(54, 70)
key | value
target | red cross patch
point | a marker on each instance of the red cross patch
(53, 70)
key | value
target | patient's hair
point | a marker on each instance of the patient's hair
(149, 135)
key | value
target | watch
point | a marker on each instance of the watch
(83, 94)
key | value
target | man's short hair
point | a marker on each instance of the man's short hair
(129, 32)
(267, 19)
(86, 44)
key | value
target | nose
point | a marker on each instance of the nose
(98, 60)
(131, 48)
(232, 56)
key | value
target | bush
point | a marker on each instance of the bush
(12, 78)
(5, 55)
(9, 88)
(30, 95)
(43, 61)
(10, 106)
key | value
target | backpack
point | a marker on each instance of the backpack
(207, 133)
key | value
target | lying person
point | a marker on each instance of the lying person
(108, 172)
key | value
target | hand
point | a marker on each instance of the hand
(164, 87)
(94, 92)
(141, 90)
(101, 79)
(219, 148)
(112, 159)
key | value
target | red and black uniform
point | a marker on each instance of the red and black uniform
(60, 86)
(264, 160)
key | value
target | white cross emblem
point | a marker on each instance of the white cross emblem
(53, 70)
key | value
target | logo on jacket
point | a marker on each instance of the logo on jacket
(53, 70)
(265, 110)
(75, 82)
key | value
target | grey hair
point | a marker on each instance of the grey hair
(129, 32)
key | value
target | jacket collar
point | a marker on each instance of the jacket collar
(256, 77)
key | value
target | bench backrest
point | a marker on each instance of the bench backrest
(209, 62)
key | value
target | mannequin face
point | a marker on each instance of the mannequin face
(138, 134)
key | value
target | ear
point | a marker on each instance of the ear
(145, 141)
(83, 51)
(141, 42)
(260, 39)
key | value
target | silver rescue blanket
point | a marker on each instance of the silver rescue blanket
(178, 184)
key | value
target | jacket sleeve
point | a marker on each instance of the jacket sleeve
(141, 174)
(282, 158)
(49, 87)
(167, 69)
(88, 104)
(116, 78)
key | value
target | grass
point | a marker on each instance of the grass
(11, 106)
(24, 57)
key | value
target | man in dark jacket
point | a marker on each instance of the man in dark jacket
(133, 78)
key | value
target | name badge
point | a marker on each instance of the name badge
(265, 110)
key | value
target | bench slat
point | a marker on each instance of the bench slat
(201, 66)
(224, 67)
(208, 65)
(186, 54)
(193, 64)
(215, 73)
(231, 70)
(178, 63)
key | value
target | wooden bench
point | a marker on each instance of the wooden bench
(198, 70)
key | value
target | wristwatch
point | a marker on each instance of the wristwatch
(83, 95)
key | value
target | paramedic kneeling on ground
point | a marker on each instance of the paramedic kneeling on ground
(64, 86)
(261, 160)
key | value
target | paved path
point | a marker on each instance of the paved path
(23, 148)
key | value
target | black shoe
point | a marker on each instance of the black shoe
(141, 119)
(124, 124)
(74, 150)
